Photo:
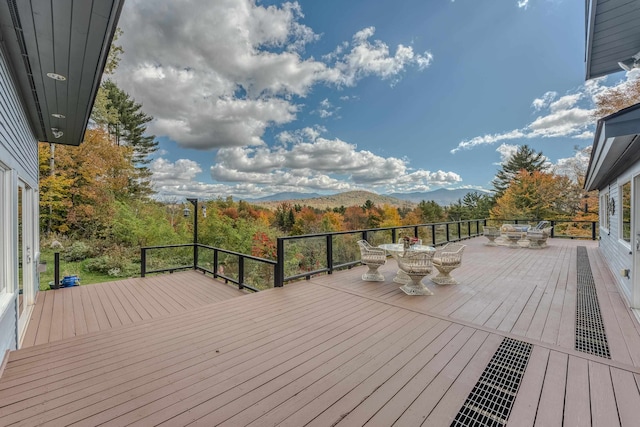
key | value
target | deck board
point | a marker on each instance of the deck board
(68, 312)
(333, 350)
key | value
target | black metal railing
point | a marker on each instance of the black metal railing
(221, 263)
(303, 256)
(562, 228)
(328, 252)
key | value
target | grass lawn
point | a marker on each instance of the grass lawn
(69, 269)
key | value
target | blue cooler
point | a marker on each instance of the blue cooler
(68, 281)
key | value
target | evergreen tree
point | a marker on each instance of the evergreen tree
(524, 159)
(129, 129)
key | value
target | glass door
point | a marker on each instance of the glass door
(25, 255)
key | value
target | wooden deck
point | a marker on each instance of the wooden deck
(338, 351)
(68, 312)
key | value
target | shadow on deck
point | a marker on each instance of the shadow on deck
(69, 312)
(338, 351)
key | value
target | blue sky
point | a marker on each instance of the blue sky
(251, 98)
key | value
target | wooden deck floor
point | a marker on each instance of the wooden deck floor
(68, 312)
(337, 351)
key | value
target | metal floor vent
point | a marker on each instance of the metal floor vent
(590, 334)
(491, 399)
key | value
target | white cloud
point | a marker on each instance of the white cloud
(182, 171)
(523, 4)
(218, 74)
(313, 162)
(326, 109)
(373, 58)
(488, 139)
(570, 116)
(574, 167)
(506, 152)
(547, 98)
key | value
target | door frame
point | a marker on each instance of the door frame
(28, 253)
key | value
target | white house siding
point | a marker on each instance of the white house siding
(18, 161)
(616, 251)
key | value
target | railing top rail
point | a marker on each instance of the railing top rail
(255, 258)
(167, 246)
(335, 233)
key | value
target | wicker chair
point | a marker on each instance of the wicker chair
(416, 264)
(491, 233)
(373, 258)
(445, 260)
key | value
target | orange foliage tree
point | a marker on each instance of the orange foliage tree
(79, 195)
(538, 195)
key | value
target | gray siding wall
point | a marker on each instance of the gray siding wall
(18, 154)
(613, 248)
(19, 146)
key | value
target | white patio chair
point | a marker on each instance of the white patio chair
(373, 258)
(445, 260)
(491, 233)
(416, 265)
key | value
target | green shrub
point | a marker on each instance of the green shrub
(112, 266)
(77, 252)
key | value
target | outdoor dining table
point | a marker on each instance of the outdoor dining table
(396, 249)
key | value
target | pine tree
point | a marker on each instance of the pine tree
(524, 159)
(129, 129)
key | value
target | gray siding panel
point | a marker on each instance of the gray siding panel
(19, 153)
(16, 136)
(614, 250)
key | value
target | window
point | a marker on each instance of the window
(625, 211)
(605, 213)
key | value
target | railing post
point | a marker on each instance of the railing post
(279, 276)
(215, 263)
(433, 234)
(365, 235)
(195, 256)
(447, 227)
(56, 270)
(393, 235)
(459, 230)
(415, 231)
(330, 253)
(553, 228)
(240, 272)
(143, 262)
(468, 228)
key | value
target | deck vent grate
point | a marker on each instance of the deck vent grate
(491, 399)
(591, 336)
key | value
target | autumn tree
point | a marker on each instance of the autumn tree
(613, 99)
(390, 216)
(538, 195)
(87, 181)
(524, 158)
(355, 218)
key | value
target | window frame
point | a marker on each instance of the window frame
(605, 213)
(621, 209)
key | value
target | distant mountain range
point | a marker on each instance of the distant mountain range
(284, 196)
(442, 196)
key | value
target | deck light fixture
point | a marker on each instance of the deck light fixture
(58, 116)
(631, 63)
(56, 76)
(57, 133)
